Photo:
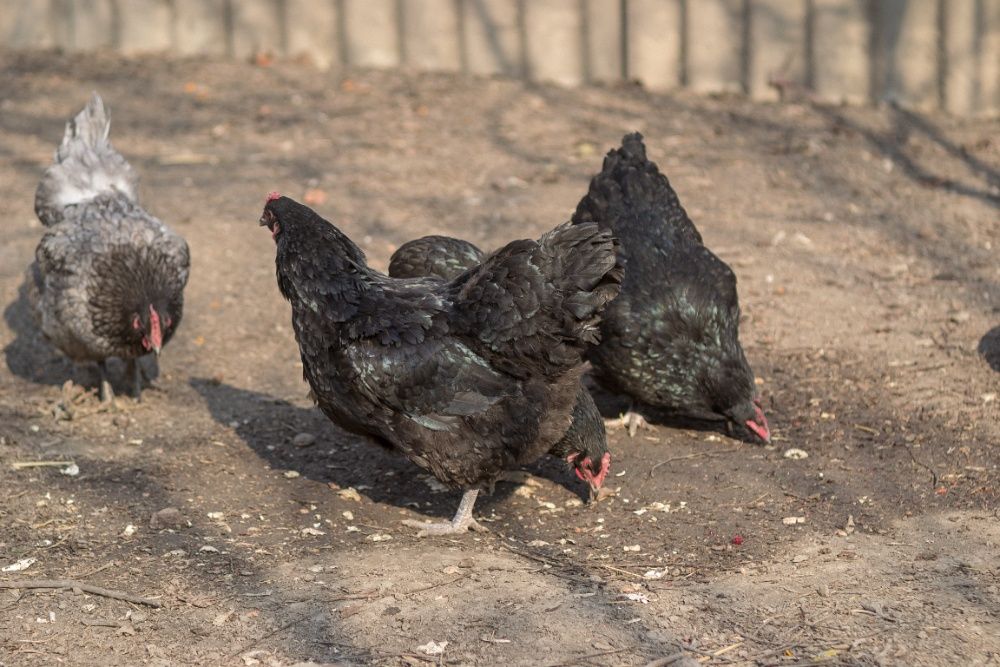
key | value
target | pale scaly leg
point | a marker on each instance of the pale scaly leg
(107, 393)
(462, 522)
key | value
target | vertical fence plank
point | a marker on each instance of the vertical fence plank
(200, 27)
(372, 33)
(715, 45)
(492, 41)
(603, 45)
(961, 83)
(654, 42)
(24, 24)
(906, 52)
(257, 25)
(777, 46)
(93, 25)
(430, 35)
(144, 25)
(841, 39)
(554, 41)
(312, 30)
(989, 100)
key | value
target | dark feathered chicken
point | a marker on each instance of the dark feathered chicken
(447, 258)
(671, 340)
(442, 257)
(108, 277)
(466, 378)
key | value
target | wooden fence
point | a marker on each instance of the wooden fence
(925, 54)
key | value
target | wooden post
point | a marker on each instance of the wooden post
(653, 31)
(200, 27)
(603, 40)
(372, 32)
(430, 35)
(554, 41)
(25, 24)
(907, 52)
(777, 49)
(312, 31)
(715, 45)
(145, 26)
(257, 26)
(841, 39)
(492, 39)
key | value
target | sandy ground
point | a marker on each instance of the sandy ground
(866, 244)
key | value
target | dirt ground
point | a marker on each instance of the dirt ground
(866, 244)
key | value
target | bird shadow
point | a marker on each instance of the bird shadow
(989, 348)
(31, 357)
(341, 459)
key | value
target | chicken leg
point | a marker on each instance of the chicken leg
(107, 393)
(462, 521)
(135, 370)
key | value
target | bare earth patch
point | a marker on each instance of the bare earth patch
(866, 246)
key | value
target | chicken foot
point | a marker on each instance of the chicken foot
(462, 521)
(631, 420)
(107, 393)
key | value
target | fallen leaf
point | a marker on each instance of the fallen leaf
(22, 564)
(433, 648)
(314, 197)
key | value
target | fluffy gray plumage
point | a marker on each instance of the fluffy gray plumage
(108, 277)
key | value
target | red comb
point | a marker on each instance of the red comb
(273, 195)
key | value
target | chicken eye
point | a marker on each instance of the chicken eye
(168, 322)
(136, 322)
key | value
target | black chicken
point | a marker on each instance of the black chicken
(671, 339)
(108, 278)
(447, 258)
(466, 378)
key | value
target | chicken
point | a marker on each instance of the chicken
(442, 257)
(447, 258)
(466, 378)
(671, 339)
(108, 278)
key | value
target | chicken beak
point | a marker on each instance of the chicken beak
(595, 494)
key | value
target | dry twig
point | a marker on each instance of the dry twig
(79, 585)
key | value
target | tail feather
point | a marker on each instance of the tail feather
(534, 306)
(85, 166)
(630, 189)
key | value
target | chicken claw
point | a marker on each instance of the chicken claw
(462, 522)
(633, 421)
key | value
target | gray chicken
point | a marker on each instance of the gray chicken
(108, 278)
